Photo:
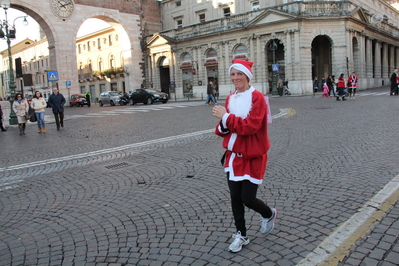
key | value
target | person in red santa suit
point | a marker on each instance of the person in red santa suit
(352, 82)
(243, 126)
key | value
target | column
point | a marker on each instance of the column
(384, 63)
(377, 57)
(288, 55)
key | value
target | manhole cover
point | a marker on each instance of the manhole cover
(117, 166)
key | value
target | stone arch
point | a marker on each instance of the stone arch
(321, 57)
(275, 55)
(163, 64)
(240, 51)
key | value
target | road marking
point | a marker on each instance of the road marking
(120, 148)
(336, 246)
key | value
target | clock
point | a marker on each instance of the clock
(62, 8)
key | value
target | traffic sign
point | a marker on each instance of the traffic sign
(52, 76)
(68, 83)
(275, 67)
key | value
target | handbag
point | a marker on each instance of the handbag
(31, 114)
(27, 116)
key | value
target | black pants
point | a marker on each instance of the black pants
(243, 193)
(59, 119)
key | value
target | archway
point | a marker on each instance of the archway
(164, 74)
(321, 58)
(275, 62)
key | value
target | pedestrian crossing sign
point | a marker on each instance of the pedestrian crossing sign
(52, 76)
(275, 67)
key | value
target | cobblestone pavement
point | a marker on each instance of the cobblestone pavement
(143, 185)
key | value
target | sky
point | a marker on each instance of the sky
(32, 30)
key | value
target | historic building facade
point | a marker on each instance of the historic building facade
(100, 64)
(287, 39)
(130, 19)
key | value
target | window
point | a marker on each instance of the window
(202, 18)
(88, 47)
(110, 40)
(226, 12)
(179, 23)
(178, 3)
(255, 5)
(79, 49)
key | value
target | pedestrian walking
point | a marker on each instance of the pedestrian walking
(394, 82)
(57, 101)
(352, 84)
(315, 86)
(88, 99)
(280, 87)
(243, 126)
(326, 91)
(330, 84)
(210, 90)
(39, 104)
(1, 120)
(21, 108)
(341, 88)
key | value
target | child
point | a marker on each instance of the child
(325, 91)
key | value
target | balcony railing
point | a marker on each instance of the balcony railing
(298, 8)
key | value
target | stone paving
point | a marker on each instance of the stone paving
(147, 188)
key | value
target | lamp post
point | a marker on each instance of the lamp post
(273, 47)
(9, 33)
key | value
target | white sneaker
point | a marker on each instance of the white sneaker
(238, 242)
(268, 223)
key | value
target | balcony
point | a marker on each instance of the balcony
(298, 9)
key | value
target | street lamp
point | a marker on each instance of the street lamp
(273, 47)
(9, 33)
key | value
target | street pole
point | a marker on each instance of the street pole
(274, 81)
(11, 83)
(8, 34)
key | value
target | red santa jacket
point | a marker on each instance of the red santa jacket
(353, 81)
(244, 128)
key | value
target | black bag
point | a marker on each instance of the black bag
(32, 116)
(348, 84)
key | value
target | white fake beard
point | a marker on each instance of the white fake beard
(240, 104)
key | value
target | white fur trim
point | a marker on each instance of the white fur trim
(241, 68)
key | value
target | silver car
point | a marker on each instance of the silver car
(109, 97)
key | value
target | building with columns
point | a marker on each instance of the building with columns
(287, 39)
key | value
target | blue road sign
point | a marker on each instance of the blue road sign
(275, 67)
(68, 83)
(52, 76)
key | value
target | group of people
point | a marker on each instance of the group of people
(21, 108)
(337, 88)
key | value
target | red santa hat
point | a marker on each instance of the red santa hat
(243, 66)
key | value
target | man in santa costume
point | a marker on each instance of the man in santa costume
(352, 82)
(243, 126)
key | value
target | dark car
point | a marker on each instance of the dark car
(148, 96)
(78, 100)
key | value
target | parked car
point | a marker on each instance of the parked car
(109, 97)
(148, 96)
(78, 100)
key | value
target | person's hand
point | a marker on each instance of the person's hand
(219, 111)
